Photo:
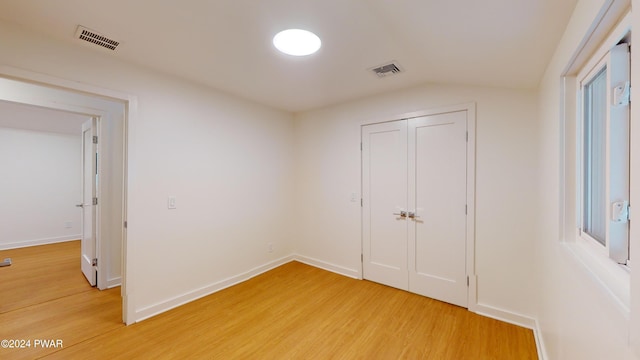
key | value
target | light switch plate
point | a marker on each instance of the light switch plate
(171, 202)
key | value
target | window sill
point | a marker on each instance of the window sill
(614, 278)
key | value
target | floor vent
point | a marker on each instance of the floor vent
(389, 69)
(95, 38)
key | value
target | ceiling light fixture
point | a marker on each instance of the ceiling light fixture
(297, 42)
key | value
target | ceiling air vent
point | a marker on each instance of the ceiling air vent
(95, 38)
(389, 69)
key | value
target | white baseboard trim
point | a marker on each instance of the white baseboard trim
(515, 319)
(506, 316)
(27, 243)
(355, 274)
(111, 283)
(542, 350)
(172, 303)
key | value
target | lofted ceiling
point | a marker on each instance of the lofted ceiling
(226, 44)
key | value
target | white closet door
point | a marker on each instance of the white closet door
(437, 183)
(384, 190)
(414, 188)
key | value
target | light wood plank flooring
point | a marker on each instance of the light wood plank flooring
(292, 312)
(39, 274)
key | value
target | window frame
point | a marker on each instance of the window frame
(586, 76)
(589, 253)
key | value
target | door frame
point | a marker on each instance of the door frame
(470, 108)
(130, 112)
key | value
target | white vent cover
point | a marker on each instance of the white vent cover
(95, 38)
(389, 69)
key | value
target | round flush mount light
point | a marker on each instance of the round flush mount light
(297, 42)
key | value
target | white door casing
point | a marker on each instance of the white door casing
(422, 169)
(89, 179)
(119, 109)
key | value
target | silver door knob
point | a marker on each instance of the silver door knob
(80, 205)
(412, 215)
(401, 213)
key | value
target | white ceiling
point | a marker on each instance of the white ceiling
(28, 117)
(226, 44)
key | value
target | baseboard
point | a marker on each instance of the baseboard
(355, 274)
(111, 283)
(515, 319)
(542, 350)
(172, 303)
(27, 243)
(506, 316)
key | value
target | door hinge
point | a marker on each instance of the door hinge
(360, 146)
(467, 281)
(466, 209)
(95, 139)
(622, 94)
(620, 211)
(95, 201)
(361, 202)
(467, 137)
(125, 224)
(361, 257)
(94, 262)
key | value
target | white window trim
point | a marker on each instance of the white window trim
(611, 276)
(587, 74)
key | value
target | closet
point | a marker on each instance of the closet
(417, 191)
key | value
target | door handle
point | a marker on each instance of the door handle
(412, 215)
(402, 213)
(80, 205)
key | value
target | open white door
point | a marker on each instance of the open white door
(88, 256)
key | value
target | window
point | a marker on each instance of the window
(603, 154)
(593, 149)
(595, 143)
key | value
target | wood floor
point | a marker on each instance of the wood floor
(292, 312)
(39, 274)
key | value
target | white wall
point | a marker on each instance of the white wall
(328, 171)
(39, 187)
(228, 162)
(577, 316)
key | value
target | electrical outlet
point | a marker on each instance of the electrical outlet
(270, 247)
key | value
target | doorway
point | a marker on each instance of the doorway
(41, 91)
(417, 183)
